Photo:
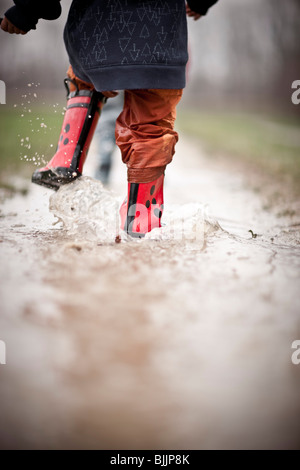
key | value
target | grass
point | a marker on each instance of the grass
(271, 144)
(27, 141)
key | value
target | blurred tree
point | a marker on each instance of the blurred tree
(246, 53)
(242, 52)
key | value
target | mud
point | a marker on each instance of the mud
(176, 341)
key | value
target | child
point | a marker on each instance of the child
(139, 46)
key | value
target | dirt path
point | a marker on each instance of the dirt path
(165, 343)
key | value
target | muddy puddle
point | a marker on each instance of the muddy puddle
(179, 341)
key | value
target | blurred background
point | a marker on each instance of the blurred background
(244, 57)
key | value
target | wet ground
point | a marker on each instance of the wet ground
(180, 341)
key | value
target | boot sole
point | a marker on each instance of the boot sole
(136, 234)
(55, 178)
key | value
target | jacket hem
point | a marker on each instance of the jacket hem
(134, 77)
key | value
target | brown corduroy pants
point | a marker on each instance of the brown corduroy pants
(144, 130)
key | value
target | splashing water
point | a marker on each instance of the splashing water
(89, 211)
(34, 126)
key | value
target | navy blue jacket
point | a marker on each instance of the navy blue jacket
(120, 44)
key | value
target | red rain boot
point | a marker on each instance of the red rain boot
(81, 117)
(141, 212)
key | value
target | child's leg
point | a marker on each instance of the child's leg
(77, 82)
(145, 134)
(81, 117)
